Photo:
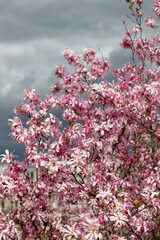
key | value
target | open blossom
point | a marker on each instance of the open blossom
(53, 165)
(15, 122)
(126, 43)
(150, 21)
(70, 232)
(72, 57)
(89, 54)
(10, 230)
(7, 156)
(21, 134)
(119, 219)
(31, 95)
(104, 194)
(156, 8)
(60, 71)
(93, 229)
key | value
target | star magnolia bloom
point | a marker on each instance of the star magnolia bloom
(54, 165)
(93, 229)
(150, 21)
(119, 219)
(7, 156)
(9, 230)
(156, 8)
(70, 232)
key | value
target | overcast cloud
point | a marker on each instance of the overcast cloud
(34, 33)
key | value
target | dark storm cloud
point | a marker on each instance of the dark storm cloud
(34, 33)
(25, 20)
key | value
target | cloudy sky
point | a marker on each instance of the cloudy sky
(33, 35)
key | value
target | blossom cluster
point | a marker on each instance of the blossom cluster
(156, 8)
(99, 176)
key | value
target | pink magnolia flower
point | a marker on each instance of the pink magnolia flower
(60, 71)
(70, 232)
(72, 57)
(150, 21)
(9, 232)
(119, 219)
(53, 165)
(15, 122)
(92, 229)
(156, 8)
(89, 54)
(7, 156)
(126, 43)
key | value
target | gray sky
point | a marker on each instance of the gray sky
(33, 35)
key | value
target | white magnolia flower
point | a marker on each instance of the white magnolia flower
(7, 156)
(119, 219)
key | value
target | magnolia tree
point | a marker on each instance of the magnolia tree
(98, 178)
